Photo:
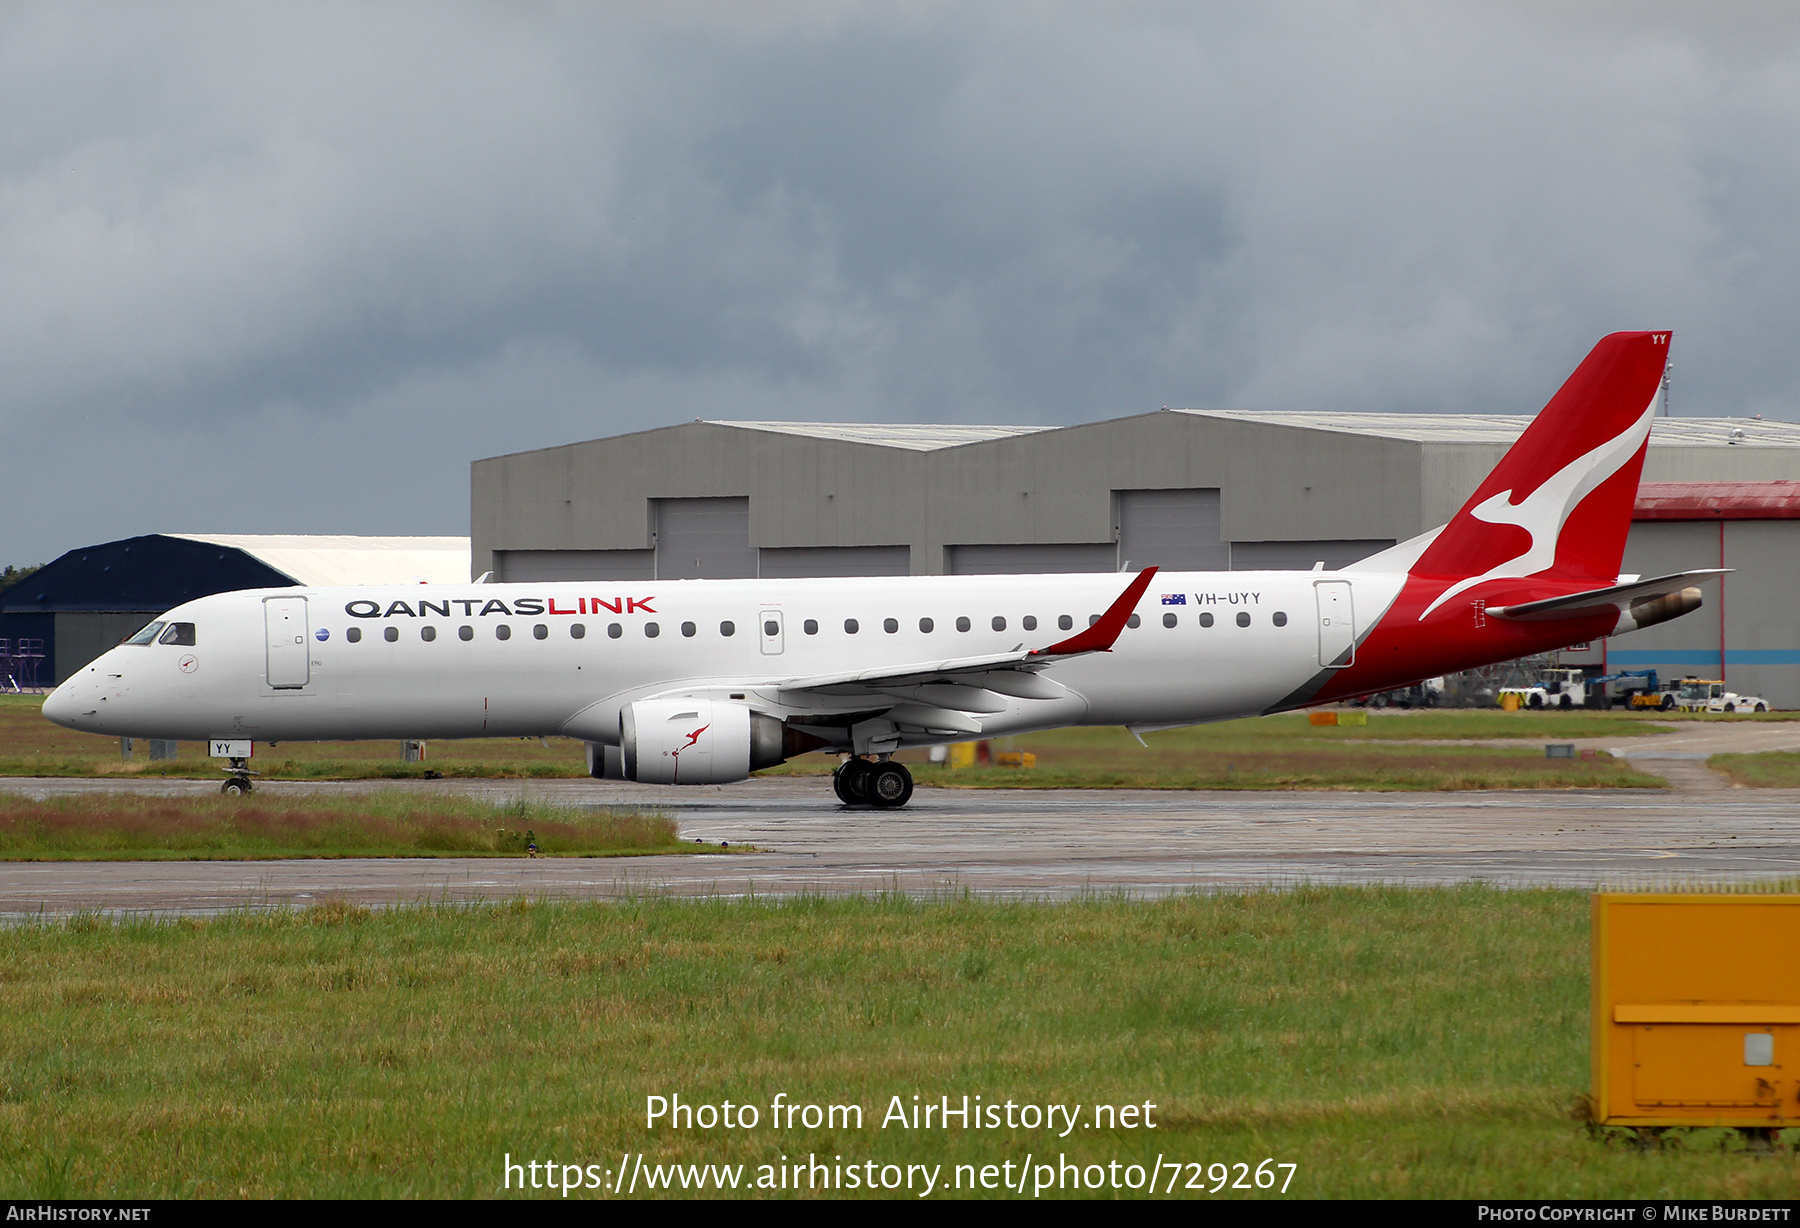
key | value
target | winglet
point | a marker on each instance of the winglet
(1100, 636)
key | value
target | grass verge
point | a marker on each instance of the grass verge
(389, 824)
(1278, 752)
(1390, 1042)
(1286, 753)
(1774, 769)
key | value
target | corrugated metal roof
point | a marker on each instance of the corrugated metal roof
(1717, 501)
(920, 437)
(1505, 428)
(328, 560)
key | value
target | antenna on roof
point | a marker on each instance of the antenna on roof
(1667, 367)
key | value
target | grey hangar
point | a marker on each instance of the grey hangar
(1212, 490)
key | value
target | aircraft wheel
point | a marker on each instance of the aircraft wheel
(851, 782)
(235, 787)
(889, 785)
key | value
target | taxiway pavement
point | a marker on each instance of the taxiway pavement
(1029, 843)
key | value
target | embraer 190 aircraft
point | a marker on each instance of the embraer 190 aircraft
(697, 682)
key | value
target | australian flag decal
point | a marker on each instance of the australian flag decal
(1174, 598)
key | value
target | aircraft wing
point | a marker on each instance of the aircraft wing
(937, 695)
(1099, 637)
(1598, 600)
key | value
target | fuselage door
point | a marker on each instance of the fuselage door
(769, 631)
(1337, 624)
(284, 619)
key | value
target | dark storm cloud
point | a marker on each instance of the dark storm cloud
(290, 269)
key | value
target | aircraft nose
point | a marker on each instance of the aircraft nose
(67, 704)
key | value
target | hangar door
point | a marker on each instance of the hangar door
(1337, 624)
(1176, 530)
(704, 539)
(284, 618)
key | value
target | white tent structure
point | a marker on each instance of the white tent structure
(333, 560)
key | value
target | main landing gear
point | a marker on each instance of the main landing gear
(238, 782)
(884, 784)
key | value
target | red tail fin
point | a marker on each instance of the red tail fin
(1559, 502)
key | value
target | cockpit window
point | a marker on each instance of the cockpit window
(179, 633)
(148, 634)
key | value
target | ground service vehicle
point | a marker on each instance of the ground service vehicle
(1710, 695)
(1633, 688)
(698, 682)
(1561, 688)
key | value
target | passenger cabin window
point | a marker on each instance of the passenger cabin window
(614, 631)
(577, 631)
(502, 632)
(890, 625)
(810, 626)
(1278, 618)
(727, 629)
(925, 625)
(651, 631)
(689, 630)
(148, 634)
(1243, 620)
(1092, 619)
(1169, 620)
(465, 632)
(178, 633)
(428, 634)
(1064, 622)
(353, 634)
(1134, 622)
(851, 627)
(1029, 622)
(962, 624)
(1206, 620)
(390, 634)
(540, 632)
(999, 624)
(771, 628)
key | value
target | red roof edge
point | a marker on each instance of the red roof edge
(1717, 501)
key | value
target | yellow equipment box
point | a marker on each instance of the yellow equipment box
(1696, 1010)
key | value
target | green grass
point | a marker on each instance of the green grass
(1773, 769)
(32, 746)
(1278, 752)
(1392, 752)
(121, 827)
(1390, 1042)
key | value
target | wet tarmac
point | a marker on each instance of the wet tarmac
(1015, 843)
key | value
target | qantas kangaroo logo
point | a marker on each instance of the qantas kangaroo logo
(1545, 511)
(691, 739)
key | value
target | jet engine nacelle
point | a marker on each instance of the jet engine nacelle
(693, 742)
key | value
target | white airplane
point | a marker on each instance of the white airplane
(696, 682)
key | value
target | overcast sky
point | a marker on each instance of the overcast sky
(269, 269)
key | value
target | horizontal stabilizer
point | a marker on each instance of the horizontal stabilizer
(1599, 600)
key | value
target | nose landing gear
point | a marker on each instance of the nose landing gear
(237, 783)
(884, 784)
